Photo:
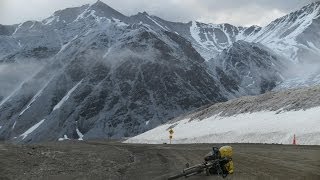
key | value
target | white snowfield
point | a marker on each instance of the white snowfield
(260, 127)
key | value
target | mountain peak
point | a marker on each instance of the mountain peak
(100, 3)
(143, 13)
(317, 3)
(310, 8)
(103, 10)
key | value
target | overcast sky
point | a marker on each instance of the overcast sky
(237, 12)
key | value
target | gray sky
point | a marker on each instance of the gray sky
(237, 12)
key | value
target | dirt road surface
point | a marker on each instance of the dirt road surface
(113, 160)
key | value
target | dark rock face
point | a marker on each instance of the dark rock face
(228, 82)
(186, 46)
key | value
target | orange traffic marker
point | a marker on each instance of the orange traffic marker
(294, 140)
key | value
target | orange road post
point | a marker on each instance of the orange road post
(294, 140)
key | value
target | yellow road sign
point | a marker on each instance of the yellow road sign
(171, 134)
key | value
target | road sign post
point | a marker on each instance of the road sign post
(171, 134)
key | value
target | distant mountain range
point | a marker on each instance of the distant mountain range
(107, 75)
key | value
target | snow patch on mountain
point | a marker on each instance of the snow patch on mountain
(49, 20)
(35, 97)
(258, 127)
(157, 23)
(195, 31)
(82, 15)
(66, 97)
(64, 46)
(30, 130)
(65, 137)
(14, 124)
(204, 46)
(79, 134)
(12, 94)
(19, 26)
(119, 22)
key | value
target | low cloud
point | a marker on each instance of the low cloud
(12, 75)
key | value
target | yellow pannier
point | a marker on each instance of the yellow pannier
(226, 151)
(229, 167)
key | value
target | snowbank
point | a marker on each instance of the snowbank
(259, 127)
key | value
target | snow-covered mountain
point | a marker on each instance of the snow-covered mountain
(111, 79)
(295, 36)
(211, 39)
(104, 74)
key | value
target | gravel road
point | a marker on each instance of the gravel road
(114, 160)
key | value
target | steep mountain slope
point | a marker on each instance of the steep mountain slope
(118, 80)
(269, 118)
(295, 36)
(254, 67)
